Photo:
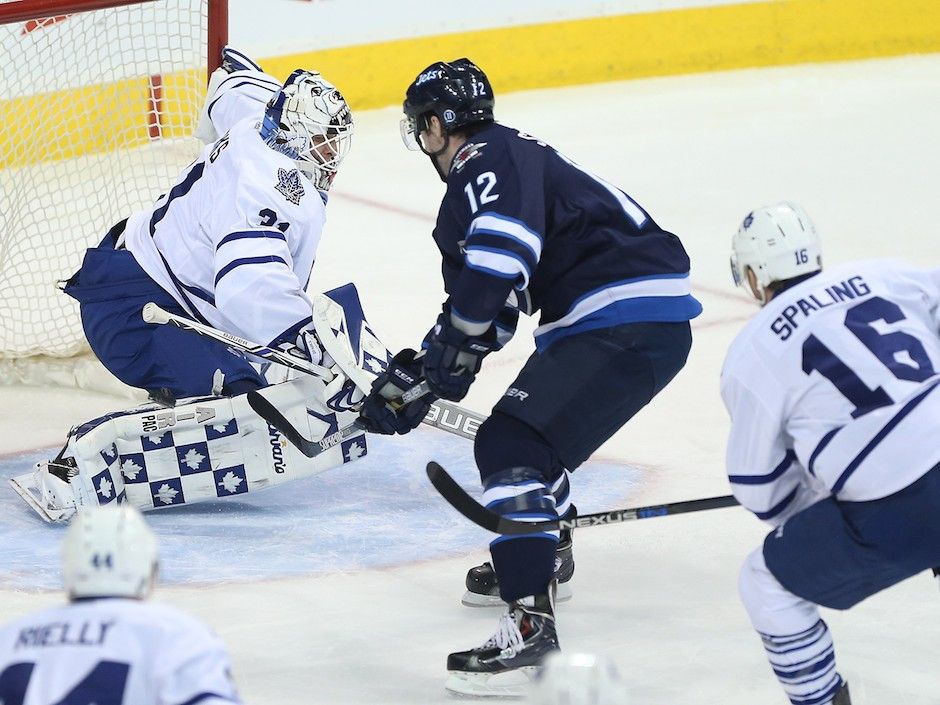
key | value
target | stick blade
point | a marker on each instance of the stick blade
(457, 497)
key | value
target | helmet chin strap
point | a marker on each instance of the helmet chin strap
(434, 155)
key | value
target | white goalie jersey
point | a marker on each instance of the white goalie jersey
(113, 651)
(235, 238)
(832, 389)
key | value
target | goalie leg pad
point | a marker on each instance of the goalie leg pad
(205, 449)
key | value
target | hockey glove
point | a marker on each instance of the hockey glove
(380, 413)
(453, 358)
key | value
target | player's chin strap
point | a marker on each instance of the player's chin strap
(434, 155)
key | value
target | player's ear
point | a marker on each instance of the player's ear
(754, 285)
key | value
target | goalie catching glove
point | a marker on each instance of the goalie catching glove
(380, 413)
(452, 357)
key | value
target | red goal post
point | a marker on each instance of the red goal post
(98, 102)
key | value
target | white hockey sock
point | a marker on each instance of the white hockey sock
(797, 641)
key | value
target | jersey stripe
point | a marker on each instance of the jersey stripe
(497, 224)
(781, 468)
(509, 265)
(779, 507)
(880, 436)
(247, 260)
(244, 234)
(181, 189)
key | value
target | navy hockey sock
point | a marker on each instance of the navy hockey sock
(525, 564)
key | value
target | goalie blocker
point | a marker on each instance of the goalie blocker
(207, 449)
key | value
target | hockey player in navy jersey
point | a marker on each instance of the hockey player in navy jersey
(522, 228)
(230, 244)
(108, 645)
(833, 395)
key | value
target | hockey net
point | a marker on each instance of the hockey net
(98, 103)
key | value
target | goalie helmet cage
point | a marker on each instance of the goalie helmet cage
(98, 103)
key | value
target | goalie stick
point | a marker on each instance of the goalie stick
(458, 498)
(266, 410)
(152, 313)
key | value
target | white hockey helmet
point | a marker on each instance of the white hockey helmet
(578, 679)
(309, 121)
(109, 551)
(777, 243)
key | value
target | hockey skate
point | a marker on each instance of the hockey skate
(483, 586)
(842, 697)
(506, 663)
(47, 489)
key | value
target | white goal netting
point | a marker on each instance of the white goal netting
(97, 111)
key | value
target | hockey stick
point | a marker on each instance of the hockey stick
(311, 449)
(443, 415)
(458, 498)
(152, 313)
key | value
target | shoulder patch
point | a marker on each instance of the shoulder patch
(288, 183)
(465, 154)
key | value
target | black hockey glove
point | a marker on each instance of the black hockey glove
(380, 413)
(453, 358)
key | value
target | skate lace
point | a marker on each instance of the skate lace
(507, 633)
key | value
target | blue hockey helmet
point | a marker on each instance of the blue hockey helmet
(457, 92)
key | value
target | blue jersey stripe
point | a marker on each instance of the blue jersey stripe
(823, 442)
(266, 259)
(205, 696)
(647, 309)
(779, 507)
(498, 239)
(246, 234)
(181, 189)
(880, 436)
(781, 468)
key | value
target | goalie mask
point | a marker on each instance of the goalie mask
(309, 121)
(109, 551)
(777, 243)
(458, 93)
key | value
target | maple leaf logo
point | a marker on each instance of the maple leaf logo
(130, 469)
(110, 452)
(220, 427)
(105, 487)
(166, 494)
(157, 439)
(374, 365)
(230, 482)
(193, 459)
(288, 183)
(355, 452)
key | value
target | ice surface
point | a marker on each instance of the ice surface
(371, 618)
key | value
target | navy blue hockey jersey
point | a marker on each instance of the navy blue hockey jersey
(522, 222)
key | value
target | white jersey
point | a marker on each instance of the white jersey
(832, 389)
(235, 238)
(112, 652)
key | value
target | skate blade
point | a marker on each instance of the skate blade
(31, 494)
(475, 599)
(508, 684)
